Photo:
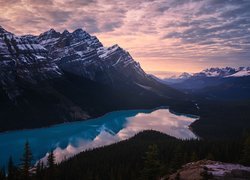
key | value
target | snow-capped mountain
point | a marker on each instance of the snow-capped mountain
(241, 72)
(23, 59)
(213, 73)
(57, 77)
(223, 72)
(216, 83)
(185, 75)
(82, 54)
(217, 72)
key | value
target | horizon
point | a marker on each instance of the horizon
(178, 36)
(159, 74)
(109, 89)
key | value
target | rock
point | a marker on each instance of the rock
(207, 169)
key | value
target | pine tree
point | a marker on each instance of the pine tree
(39, 170)
(2, 174)
(246, 152)
(26, 161)
(177, 160)
(12, 170)
(194, 157)
(51, 160)
(210, 156)
(152, 166)
(51, 165)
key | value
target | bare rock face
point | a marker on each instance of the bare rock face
(207, 169)
(82, 54)
(23, 59)
(59, 77)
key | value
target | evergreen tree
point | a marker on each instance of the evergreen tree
(152, 166)
(39, 170)
(2, 174)
(12, 170)
(210, 156)
(26, 161)
(51, 160)
(177, 160)
(246, 152)
(51, 165)
(194, 157)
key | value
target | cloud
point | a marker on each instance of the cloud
(164, 121)
(168, 32)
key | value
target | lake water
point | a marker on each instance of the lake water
(71, 138)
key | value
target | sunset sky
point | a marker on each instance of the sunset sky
(163, 35)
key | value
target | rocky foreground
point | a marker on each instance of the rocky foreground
(207, 169)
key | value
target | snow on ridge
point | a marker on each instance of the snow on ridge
(221, 169)
(106, 52)
(241, 73)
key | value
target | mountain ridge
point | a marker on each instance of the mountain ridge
(60, 77)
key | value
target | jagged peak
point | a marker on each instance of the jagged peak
(79, 30)
(65, 32)
(114, 47)
(2, 30)
(51, 32)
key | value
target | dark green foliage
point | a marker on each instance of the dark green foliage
(152, 166)
(51, 174)
(126, 160)
(12, 170)
(26, 162)
(246, 152)
(39, 170)
(51, 160)
(222, 120)
(135, 158)
(2, 174)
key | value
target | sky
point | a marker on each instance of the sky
(163, 35)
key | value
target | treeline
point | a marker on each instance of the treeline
(223, 120)
(27, 171)
(218, 119)
(148, 155)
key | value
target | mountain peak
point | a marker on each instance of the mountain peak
(65, 32)
(2, 30)
(50, 32)
(79, 30)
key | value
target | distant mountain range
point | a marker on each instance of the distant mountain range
(59, 77)
(214, 83)
(212, 72)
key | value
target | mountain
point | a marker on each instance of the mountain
(217, 72)
(59, 77)
(23, 60)
(216, 83)
(84, 55)
(176, 79)
(214, 72)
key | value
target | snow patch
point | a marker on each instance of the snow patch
(221, 169)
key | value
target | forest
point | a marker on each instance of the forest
(149, 155)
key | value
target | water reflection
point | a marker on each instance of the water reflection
(160, 120)
(72, 138)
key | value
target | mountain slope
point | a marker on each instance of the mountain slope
(84, 55)
(216, 84)
(60, 77)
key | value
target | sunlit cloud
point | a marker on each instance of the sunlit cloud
(163, 35)
(159, 120)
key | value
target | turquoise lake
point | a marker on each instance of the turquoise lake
(69, 139)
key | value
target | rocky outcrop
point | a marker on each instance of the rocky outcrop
(84, 55)
(59, 77)
(207, 169)
(23, 60)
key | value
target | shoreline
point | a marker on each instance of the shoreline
(105, 114)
